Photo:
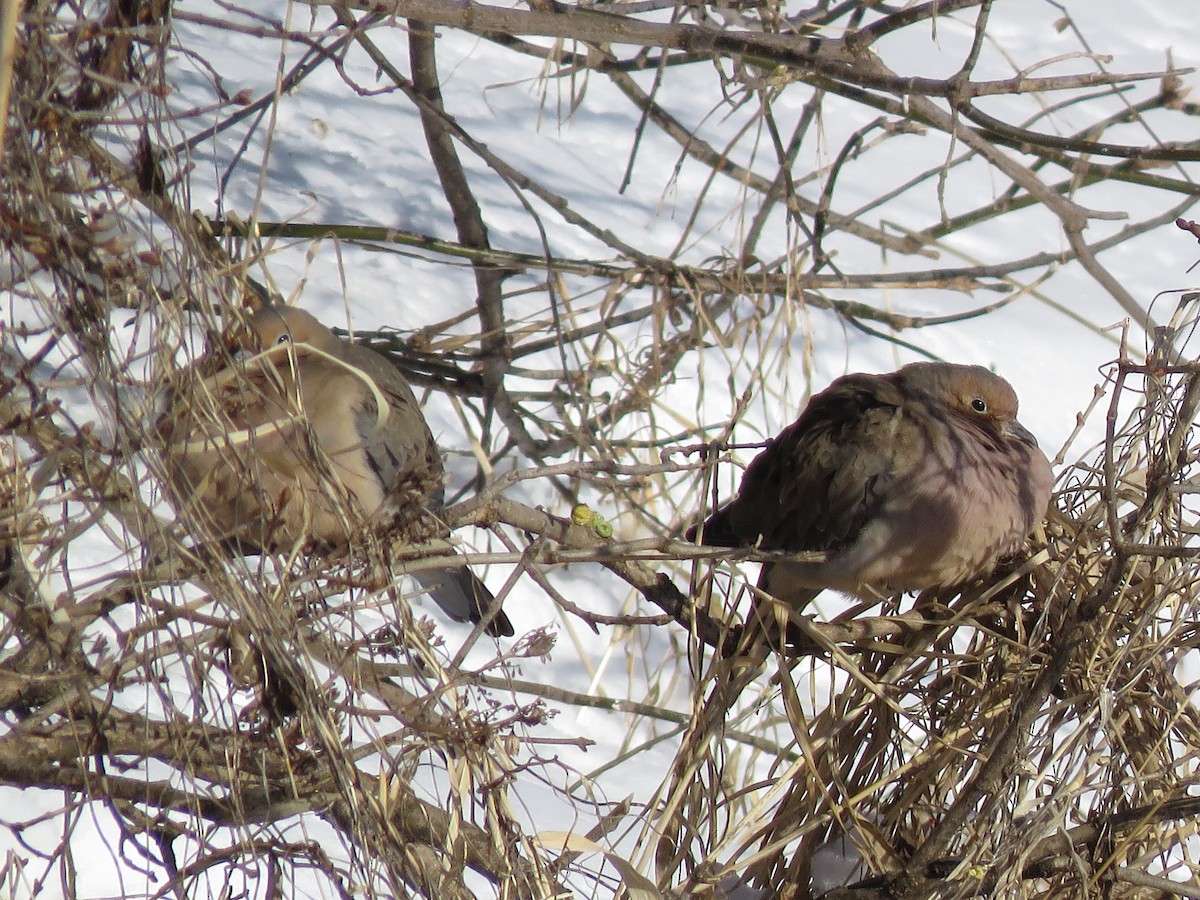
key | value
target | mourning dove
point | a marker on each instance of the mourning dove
(308, 438)
(919, 479)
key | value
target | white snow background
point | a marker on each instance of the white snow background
(335, 157)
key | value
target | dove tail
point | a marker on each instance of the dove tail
(718, 531)
(464, 598)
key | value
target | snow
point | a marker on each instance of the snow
(334, 156)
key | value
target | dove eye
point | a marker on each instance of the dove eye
(979, 405)
(284, 338)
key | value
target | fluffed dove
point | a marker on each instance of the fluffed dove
(922, 478)
(311, 440)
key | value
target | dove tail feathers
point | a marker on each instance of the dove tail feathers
(718, 530)
(464, 598)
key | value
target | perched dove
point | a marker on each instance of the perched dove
(309, 438)
(919, 479)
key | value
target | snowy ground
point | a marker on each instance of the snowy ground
(335, 157)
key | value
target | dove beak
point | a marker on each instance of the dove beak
(1021, 433)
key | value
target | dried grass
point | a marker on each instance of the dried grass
(289, 722)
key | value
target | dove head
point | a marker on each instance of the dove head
(973, 393)
(274, 325)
